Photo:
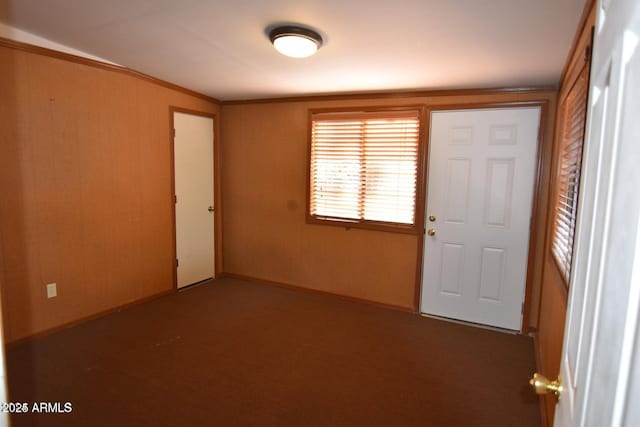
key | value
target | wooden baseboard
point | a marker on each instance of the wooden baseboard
(76, 322)
(164, 293)
(316, 291)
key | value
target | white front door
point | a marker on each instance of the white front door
(480, 189)
(193, 159)
(600, 365)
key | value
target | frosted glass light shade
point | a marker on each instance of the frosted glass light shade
(295, 42)
(295, 46)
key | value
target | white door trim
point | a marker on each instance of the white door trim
(216, 186)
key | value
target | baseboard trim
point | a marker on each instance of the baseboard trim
(538, 356)
(316, 291)
(85, 319)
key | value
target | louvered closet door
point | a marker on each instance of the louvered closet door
(480, 191)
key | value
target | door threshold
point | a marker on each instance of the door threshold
(473, 324)
(193, 285)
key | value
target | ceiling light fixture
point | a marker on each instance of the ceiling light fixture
(295, 41)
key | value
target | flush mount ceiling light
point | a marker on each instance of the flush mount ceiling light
(295, 41)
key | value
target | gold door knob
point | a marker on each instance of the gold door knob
(431, 232)
(432, 218)
(542, 385)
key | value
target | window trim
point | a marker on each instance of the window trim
(418, 215)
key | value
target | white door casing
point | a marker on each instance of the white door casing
(600, 365)
(193, 166)
(480, 189)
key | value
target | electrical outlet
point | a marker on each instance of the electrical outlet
(52, 290)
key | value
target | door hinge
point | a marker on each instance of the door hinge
(177, 263)
(175, 199)
(587, 53)
(522, 309)
(174, 132)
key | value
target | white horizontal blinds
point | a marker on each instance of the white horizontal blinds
(570, 163)
(390, 164)
(364, 166)
(336, 156)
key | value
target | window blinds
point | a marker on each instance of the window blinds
(364, 166)
(570, 163)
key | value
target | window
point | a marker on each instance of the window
(573, 120)
(364, 168)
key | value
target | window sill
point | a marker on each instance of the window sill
(364, 225)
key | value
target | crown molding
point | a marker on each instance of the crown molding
(38, 50)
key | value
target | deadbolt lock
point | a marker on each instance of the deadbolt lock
(432, 218)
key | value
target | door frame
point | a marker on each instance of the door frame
(217, 195)
(542, 171)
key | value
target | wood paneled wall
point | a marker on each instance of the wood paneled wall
(85, 176)
(264, 179)
(553, 302)
(85, 184)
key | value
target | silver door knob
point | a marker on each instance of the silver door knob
(210, 209)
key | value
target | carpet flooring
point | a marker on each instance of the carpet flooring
(234, 353)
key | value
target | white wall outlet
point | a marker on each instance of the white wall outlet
(52, 290)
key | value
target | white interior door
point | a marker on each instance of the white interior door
(193, 157)
(480, 190)
(600, 366)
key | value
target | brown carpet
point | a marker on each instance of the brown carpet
(233, 353)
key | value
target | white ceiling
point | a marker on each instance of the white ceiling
(219, 47)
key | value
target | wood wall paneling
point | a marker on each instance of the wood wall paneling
(14, 44)
(88, 166)
(264, 181)
(551, 331)
(85, 174)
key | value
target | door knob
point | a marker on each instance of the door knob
(542, 385)
(210, 209)
(431, 232)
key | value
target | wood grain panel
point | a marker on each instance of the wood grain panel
(13, 44)
(264, 188)
(551, 331)
(85, 175)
